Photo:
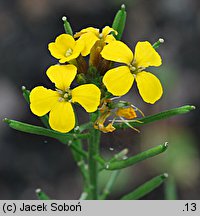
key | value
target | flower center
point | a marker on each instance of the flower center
(68, 52)
(100, 35)
(134, 68)
(64, 95)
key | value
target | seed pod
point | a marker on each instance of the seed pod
(119, 22)
(67, 26)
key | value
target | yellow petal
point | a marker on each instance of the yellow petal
(118, 81)
(62, 43)
(117, 51)
(110, 38)
(107, 30)
(61, 117)
(62, 75)
(146, 55)
(88, 96)
(86, 30)
(55, 52)
(89, 39)
(149, 87)
(42, 100)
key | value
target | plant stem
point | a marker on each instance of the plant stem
(109, 185)
(93, 149)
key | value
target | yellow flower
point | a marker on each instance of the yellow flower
(65, 48)
(58, 103)
(119, 80)
(91, 35)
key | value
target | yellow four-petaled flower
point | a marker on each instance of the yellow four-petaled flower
(119, 80)
(89, 36)
(65, 48)
(58, 103)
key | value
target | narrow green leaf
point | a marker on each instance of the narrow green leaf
(67, 26)
(135, 159)
(119, 22)
(160, 116)
(146, 188)
(45, 118)
(27, 128)
(41, 195)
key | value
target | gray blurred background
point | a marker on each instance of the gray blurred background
(28, 161)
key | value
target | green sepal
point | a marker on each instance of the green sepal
(67, 26)
(119, 22)
(159, 116)
(146, 188)
(41, 195)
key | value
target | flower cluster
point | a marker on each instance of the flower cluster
(98, 80)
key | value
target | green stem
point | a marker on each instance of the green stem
(109, 185)
(93, 149)
(160, 116)
(78, 155)
(78, 150)
(146, 188)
